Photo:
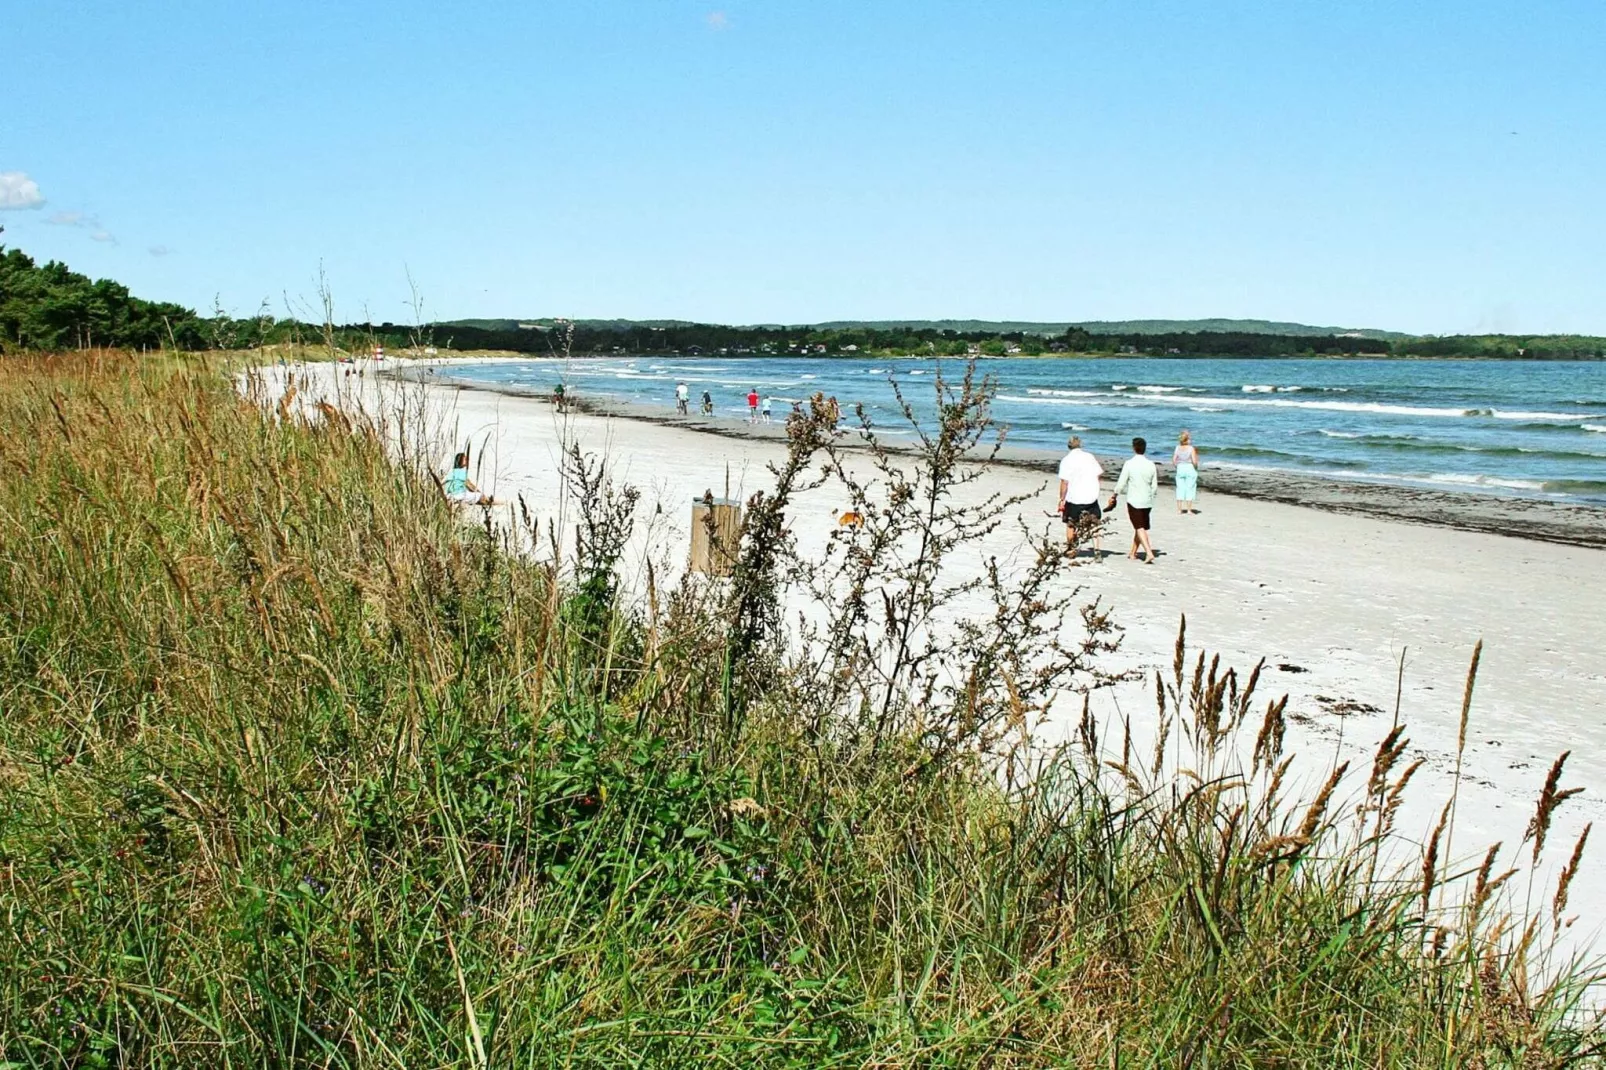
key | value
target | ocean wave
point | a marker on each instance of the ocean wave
(1258, 388)
(1214, 404)
(1043, 391)
(1089, 401)
(1421, 446)
(1382, 408)
(1160, 389)
(1589, 488)
(1503, 414)
(1467, 479)
(1256, 451)
(1282, 460)
(1599, 429)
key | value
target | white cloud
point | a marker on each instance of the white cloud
(19, 191)
(83, 221)
(159, 250)
(717, 20)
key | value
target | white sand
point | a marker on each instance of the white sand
(1340, 596)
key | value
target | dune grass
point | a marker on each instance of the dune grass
(299, 769)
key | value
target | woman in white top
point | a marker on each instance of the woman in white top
(1186, 458)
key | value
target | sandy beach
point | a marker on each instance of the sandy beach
(1332, 594)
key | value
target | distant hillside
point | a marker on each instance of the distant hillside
(1298, 330)
(1224, 326)
(541, 322)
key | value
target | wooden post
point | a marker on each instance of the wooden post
(716, 529)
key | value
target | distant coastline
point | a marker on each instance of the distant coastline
(513, 354)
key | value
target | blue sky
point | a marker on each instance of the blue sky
(1433, 167)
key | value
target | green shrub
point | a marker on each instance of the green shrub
(298, 769)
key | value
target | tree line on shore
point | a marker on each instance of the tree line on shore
(49, 307)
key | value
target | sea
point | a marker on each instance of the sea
(1516, 428)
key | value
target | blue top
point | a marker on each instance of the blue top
(457, 481)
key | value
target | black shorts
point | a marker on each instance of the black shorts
(1139, 518)
(1076, 514)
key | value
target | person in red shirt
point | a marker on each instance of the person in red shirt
(752, 406)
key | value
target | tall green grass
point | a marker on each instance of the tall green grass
(299, 769)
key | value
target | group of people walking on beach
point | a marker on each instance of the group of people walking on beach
(758, 407)
(1080, 473)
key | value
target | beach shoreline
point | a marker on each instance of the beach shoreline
(1563, 523)
(1363, 617)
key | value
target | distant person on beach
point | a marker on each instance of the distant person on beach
(1186, 458)
(1080, 473)
(1140, 482)
(764, 410)
(682, 396)
(834, 411)
(560, 397)
(752, 406)
(460, 490)
(708, 403)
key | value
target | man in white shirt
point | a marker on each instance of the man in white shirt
(1140, 482)
(682, 395)
(1080, 472)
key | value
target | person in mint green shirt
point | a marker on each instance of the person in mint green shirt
(460, 490)
(1140, 482)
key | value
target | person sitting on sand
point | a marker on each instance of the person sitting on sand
(1080, 473)
(1186, 458)
(1140, 482)
(460, 490)
(682, 396)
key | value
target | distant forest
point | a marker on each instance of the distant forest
(48, 307)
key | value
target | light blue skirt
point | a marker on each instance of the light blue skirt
(1187, 482)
